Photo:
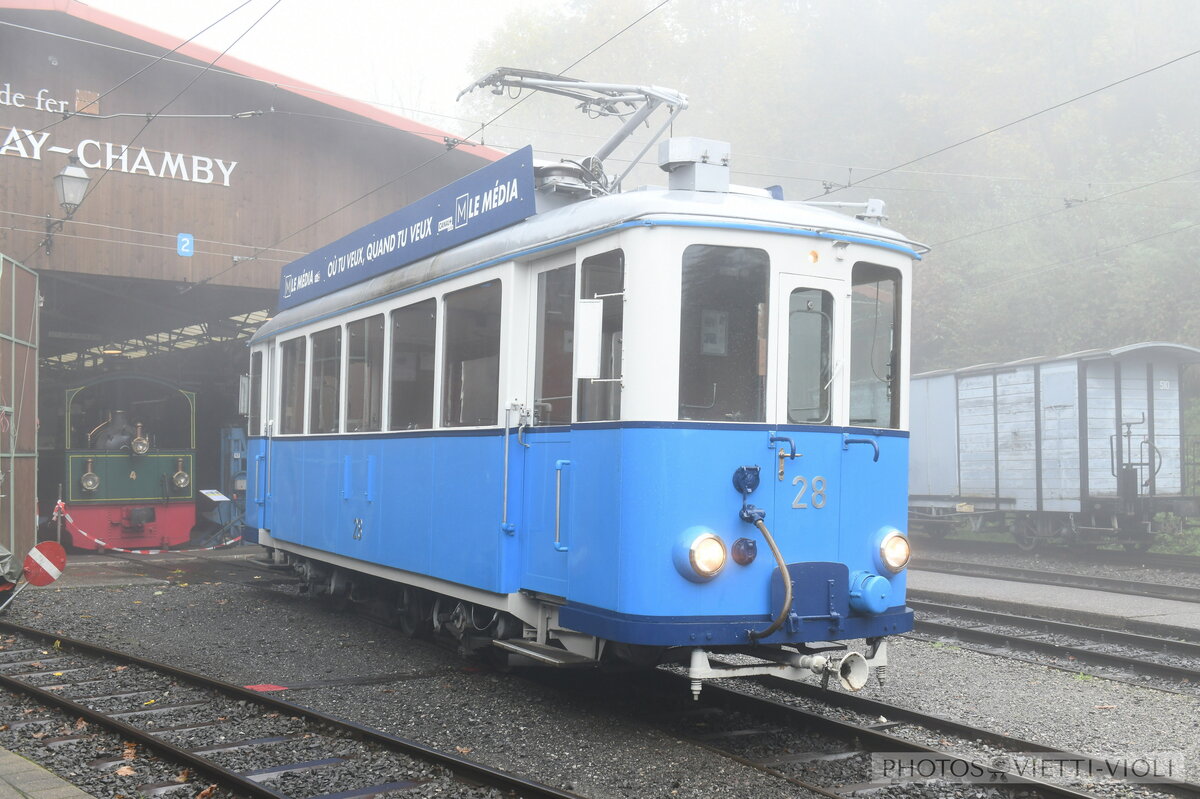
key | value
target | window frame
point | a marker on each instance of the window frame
(281, 383)
(896, 386)
(434, 301)
(537, 274)
(346, 380)
(446, 378)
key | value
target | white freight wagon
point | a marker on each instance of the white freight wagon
(1086, 447)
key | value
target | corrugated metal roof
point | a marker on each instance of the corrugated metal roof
(1156, 349)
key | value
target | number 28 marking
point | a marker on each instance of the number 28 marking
(818, 492)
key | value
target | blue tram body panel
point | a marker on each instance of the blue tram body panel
(626, 494)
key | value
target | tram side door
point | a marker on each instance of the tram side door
(258, 431)
(809, 392)
(548, 471)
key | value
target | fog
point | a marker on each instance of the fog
(1047, 152)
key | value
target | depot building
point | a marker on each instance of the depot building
(201, 177)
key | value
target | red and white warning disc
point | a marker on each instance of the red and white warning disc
(44, 563)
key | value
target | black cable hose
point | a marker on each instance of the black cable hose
(757, 635)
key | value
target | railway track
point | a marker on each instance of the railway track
(249, 744)
(880, 728)
(1073, 645)
(823, 741)
(1119, 557)
(1181, 593)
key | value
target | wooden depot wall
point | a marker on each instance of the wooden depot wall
(238, 162)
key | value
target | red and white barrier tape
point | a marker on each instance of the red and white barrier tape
(61, 510)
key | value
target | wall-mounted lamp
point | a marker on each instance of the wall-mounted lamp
(111, 349)
(70, 186)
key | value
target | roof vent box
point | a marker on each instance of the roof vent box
(695, 164)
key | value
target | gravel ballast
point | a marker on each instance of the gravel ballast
(254, 634)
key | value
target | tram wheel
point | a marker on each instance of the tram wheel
(414, 617)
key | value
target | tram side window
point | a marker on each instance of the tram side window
(603, 277)
(555, 329)
(471, 365)
(874, 346)
(325, 386)
(413, 331)
(253, 423)
(810, 337)
(291, 386)
(723, 342)
(364, 375)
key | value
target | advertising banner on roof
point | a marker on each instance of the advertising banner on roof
(499, 195)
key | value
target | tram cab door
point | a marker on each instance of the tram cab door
(548, 469)
(259, 429)
(808, 392)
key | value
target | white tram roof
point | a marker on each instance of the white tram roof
(1149, 350)
(565, 226)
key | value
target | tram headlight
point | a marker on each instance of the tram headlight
(140, 445)
(90, 481)
(708, 555)
(700, 554)
(894, 551)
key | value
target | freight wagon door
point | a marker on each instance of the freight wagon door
(549, 472)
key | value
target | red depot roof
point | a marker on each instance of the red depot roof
(198, 52)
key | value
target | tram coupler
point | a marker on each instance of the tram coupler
(852, 669)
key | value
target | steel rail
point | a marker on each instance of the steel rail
(871, 738)
(1103, 635)
(1109, 585)
(1081, 655)
(873, 707)
(228, 779)
(461, 767)
(1185, 563)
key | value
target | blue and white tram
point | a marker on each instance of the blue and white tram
(608, 430)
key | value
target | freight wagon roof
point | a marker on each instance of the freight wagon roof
(1154, 350)
(565, 226)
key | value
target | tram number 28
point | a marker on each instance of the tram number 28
(817, 497)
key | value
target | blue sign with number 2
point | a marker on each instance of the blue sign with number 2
(185, 245)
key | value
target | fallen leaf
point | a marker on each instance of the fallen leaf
(462, 750)
(58, 644)
(137, 601)
(126, 771)
(1105, 707)
(130, 750)
(177, 571)
(58, 674)
(150, 702)
(119, 668)
(158, 593)
(182, 585)
(207, 792)
(80, 723)
(183, 776)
